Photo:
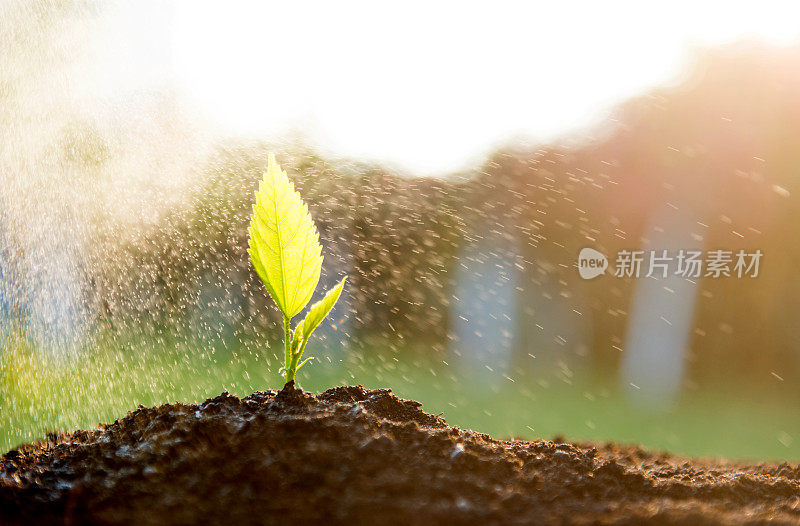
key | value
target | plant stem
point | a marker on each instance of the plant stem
(287, 349)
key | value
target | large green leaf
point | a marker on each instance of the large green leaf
(284, 243)
(320, 309)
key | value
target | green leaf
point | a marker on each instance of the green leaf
(284, 243)
(304, 362)
(320, 309)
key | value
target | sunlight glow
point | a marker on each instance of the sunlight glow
(430, 86)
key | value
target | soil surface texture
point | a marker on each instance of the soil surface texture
(354, 456)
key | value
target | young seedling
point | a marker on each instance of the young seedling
(287, 256)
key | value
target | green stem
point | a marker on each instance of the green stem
(287, 349)
(296, 357)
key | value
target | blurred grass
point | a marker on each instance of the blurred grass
(41, 393)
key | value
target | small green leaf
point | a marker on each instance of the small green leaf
(304, 362)
(320, 309)
(284, 243)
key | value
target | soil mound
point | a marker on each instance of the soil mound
(355, 456)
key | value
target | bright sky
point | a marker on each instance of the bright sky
(429, 86)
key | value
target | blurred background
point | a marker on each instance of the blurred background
(456, 158)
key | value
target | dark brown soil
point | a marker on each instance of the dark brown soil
(351, 456)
